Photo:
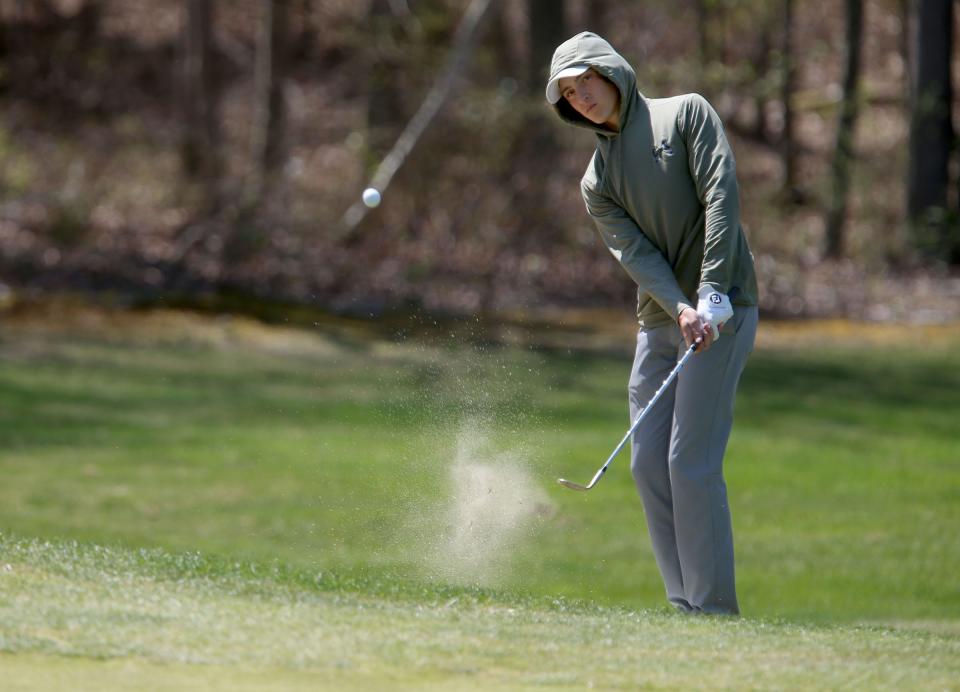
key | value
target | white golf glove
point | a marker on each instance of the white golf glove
(714, 308)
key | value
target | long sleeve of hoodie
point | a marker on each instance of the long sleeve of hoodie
(640, 258)
(713, 169)
(662, 190)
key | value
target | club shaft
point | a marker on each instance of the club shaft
(646, 409)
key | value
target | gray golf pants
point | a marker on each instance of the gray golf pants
(677, 459)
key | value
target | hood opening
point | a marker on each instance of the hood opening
(586, 48)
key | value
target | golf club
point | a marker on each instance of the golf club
(603, 469)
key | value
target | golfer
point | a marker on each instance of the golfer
(662, 190)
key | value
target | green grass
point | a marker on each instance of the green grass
(124, 619)
(338, 455)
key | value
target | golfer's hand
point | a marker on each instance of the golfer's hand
(694, 329)
(714, 309)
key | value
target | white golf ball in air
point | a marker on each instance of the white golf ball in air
(371, 197)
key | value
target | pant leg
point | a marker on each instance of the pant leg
(655, 357)
(703, 417)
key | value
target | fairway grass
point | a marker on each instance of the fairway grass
(237, 505)
(95, 617)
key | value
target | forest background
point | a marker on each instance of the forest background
(190, 151)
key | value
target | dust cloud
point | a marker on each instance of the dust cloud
(491, 505)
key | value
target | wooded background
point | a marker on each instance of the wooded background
(172, 150)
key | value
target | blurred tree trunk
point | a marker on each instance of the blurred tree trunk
(269, 127)
(906, 52)
(547, 29)
(199, 144)
(710, 42)
(384, 109)
(88, 18)
(761, 69)
(931, 130)
(304, 41)
(788, 155)
(507, 43)
(843, 152)
(597, 16)
(704, 51)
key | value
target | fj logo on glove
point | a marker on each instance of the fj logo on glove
(715, 298)
(663, 150)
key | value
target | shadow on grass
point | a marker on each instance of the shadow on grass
(853, 387)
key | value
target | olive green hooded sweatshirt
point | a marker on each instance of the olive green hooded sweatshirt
(662, 191)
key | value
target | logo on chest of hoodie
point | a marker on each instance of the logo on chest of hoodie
(663, 151)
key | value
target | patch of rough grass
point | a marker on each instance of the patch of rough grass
(113, 618)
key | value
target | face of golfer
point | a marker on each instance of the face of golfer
(593, 97)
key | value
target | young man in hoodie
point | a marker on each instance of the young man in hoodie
(661, 189)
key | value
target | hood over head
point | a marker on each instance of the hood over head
(586, 49)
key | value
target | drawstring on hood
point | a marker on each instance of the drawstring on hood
(587, 48)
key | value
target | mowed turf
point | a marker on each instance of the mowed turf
(85, 617)
(399, 461)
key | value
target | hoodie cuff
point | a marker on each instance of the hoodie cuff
(678, 308)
